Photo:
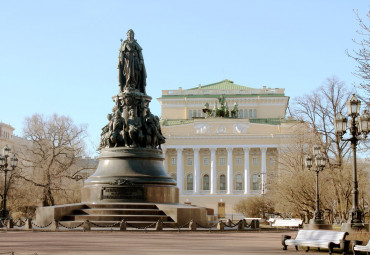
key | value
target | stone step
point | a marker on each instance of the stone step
(109, 224)
(118, 211)
(123, 205)
(97, 217)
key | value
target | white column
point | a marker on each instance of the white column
(230, 178)
(196, 180)
(213, 171)
(263, 170)
(246, 171)
(165, 161)
(180, 171)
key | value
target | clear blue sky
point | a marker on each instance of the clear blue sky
(61, 56)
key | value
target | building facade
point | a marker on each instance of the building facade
(223, 159)
(6, 136)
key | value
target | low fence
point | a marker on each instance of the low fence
(87, 225)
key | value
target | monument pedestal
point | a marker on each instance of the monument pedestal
(130, 175)
(127, 182)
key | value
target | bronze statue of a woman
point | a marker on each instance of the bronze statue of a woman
(132, 73)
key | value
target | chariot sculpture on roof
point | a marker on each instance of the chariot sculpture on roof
(222, 110)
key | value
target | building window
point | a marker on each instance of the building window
(206, 182)
(222, 161)
(199, 114)
(255, 184)
(271, 161)
(250, 114)
(173, 161)
(206, 161)
(238, 161)
(241, 114)
(190, 114)
(194, 113)
(255, 113)
(239, 182)
(222, 182)
(246, 114)
(189, 161)
(189, 182)
(255, 161)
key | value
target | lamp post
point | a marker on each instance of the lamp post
(262, 183)
(320, 162)
(358, 125)
(4, 167)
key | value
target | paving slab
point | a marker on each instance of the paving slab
(130, 242)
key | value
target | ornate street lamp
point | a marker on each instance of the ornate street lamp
(358, 125)
(4, 167)
(262, 176)
(320, 162)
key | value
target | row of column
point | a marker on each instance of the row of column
(213, 174)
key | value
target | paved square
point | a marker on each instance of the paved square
(98, 242)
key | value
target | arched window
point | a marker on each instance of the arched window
(239, 182)
(189, 182)
(206, 182)
(222, 182)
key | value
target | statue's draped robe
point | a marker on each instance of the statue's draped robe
(131, 66)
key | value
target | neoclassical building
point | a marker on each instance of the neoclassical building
(6, 136)
(224, 159)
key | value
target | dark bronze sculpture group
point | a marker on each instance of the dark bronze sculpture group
(222, 110)
(131, 123)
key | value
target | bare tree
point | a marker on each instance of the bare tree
(294, 190)
(319, 110)
(362, 55)
(254, 207)
(54, 145)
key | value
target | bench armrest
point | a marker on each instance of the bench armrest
(355, 242)
(285, 237)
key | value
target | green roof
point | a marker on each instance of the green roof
(225, 84)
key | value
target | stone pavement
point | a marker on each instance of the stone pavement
(164, 242)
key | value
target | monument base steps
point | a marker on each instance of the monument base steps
(135, 214)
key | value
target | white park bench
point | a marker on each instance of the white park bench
(326, 239)
(357, 249)
(279, 222)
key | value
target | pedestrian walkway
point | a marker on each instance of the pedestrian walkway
(101, 242)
